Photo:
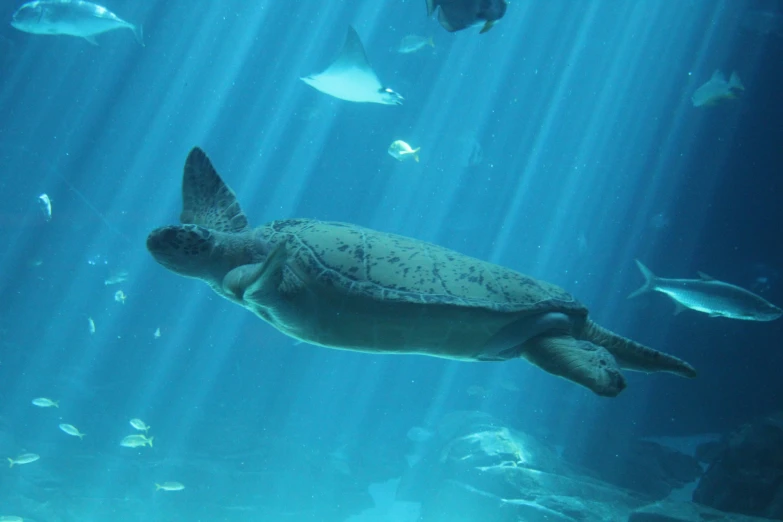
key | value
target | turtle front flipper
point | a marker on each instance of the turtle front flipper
(206, 199)
(582, 362)
(635, 356)
(259, 282)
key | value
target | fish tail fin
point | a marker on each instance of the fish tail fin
(416, 154)
(158, 487)
(735, 83)
(149, 440)
(10, 462)
(138, 32)
(81, 436)
(431, 42)
(649, 280)
(56, 404)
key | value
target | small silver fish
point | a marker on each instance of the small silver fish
(43, 402)
(70, 429)
(139, 425)
(136, 441)
(27, 458)
(413, 43)
(46, 206)
(401, 151)
(120, 296)
(170, 486)
(72, 18)
(91, 325)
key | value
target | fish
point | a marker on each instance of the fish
(139, 425)
(117, 277)
(27, 458)
(710, 296)
(156, 334)
(71, 18)
(401, 151)
(120, 296)
(91, 325)
(136, 441)
(11, 518)
(350, 77)
(413, 42)
(43, 402)
(717, 90)
(456, 15)
(46, 206)
(70, 429)
(170, 486)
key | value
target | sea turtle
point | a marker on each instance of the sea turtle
(343, 286)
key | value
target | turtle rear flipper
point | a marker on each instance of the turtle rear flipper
(636, 356)
(582, 362)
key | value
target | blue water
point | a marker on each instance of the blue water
(563, 144)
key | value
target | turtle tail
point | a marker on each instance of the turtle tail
(635, 356)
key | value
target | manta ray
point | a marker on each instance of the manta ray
(351, 77)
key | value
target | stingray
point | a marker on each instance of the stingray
(351, 77)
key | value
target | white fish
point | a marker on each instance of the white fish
(401, 151)
(27, 458)
(136, 441)
(46, 206)
(413, 43)
(91, 325)
(43, 402)
(708, 295)
(117, 277)
(120, 296)
(350, 77)
(170, 486)
(70, 17)
(11, 518)
(156, 335)
(70, 429)
(139, 425)
(717, 90)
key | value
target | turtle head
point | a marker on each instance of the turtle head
(184, 249)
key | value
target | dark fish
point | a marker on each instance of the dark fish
(455, 15)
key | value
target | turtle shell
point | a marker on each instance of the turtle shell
(390, 267)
